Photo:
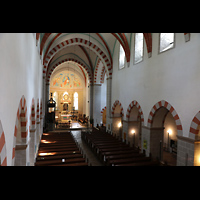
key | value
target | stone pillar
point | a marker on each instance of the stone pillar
(22, 155)
(97, 104)
(152, 141)
(185, 151)
(145, 140)
(91, 102)
(156, 143)
(32, 146)
(108, 105)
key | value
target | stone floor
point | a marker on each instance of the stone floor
(92, 159)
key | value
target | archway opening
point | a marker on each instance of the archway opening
(163, 137)
(134, 127)
(68, 85)
(117, 123)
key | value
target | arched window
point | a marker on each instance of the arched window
(121, 57)
(55, 98)
(76, 101)
(166, 41)
(139, 45)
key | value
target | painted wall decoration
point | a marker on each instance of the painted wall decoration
(66, 80)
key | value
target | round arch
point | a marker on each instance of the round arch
(131, 105)
(83, 42)
(22, 117)
(171, 109)
(115, 105)
(50, 70)
(194, 124)
(3, 154)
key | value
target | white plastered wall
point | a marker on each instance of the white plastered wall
(172, 76)
(20, 74)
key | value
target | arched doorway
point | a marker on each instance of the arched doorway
(135, 119)
(68, 84)
(103, 115)
(165, 125)
(117, 117)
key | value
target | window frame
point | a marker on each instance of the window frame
(119, 58)
(159, 52)
(135, 63)
(74, 100)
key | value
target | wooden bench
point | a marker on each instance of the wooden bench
(63, 151)
(59, 161)
(40, 157)
(129, 160)
(150, 163)
(107, 159)
(82, 164)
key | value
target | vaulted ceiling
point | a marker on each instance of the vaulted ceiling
(93, 52)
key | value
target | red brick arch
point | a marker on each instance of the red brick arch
(3, 154)
(194, 124)
(131, 105)
(78, 41)
(66, 60)
(171, 109)
(115, 105)
(21, 115)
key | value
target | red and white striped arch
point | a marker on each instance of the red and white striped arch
(78, 41)
(171, 109)
(194, 124)
(103, 110)
(22, 116)
(115, 105)
(131, 105)
(50, 70)
(3, 154)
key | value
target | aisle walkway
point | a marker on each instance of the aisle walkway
(92, 159)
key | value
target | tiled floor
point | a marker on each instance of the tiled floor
(93, 161)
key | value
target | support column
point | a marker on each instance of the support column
(91, 102)
(146, 140)
(97, 104)
(32, 146)
(152, 141)
(187, 151)
(108, 105)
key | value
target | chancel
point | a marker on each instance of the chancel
(99, 99)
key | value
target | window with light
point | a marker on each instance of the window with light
(139, 46)
(121, 57)
(166, 41)
(76, 101)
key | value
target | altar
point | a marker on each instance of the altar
(65, 117)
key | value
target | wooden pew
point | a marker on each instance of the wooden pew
(107, 159)
(40, 157)
(59, 161)
(129, 160)
(151, 163)
(82, 164)
(61, 150)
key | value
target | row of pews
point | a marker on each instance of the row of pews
(59, 149)
(113, 152)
